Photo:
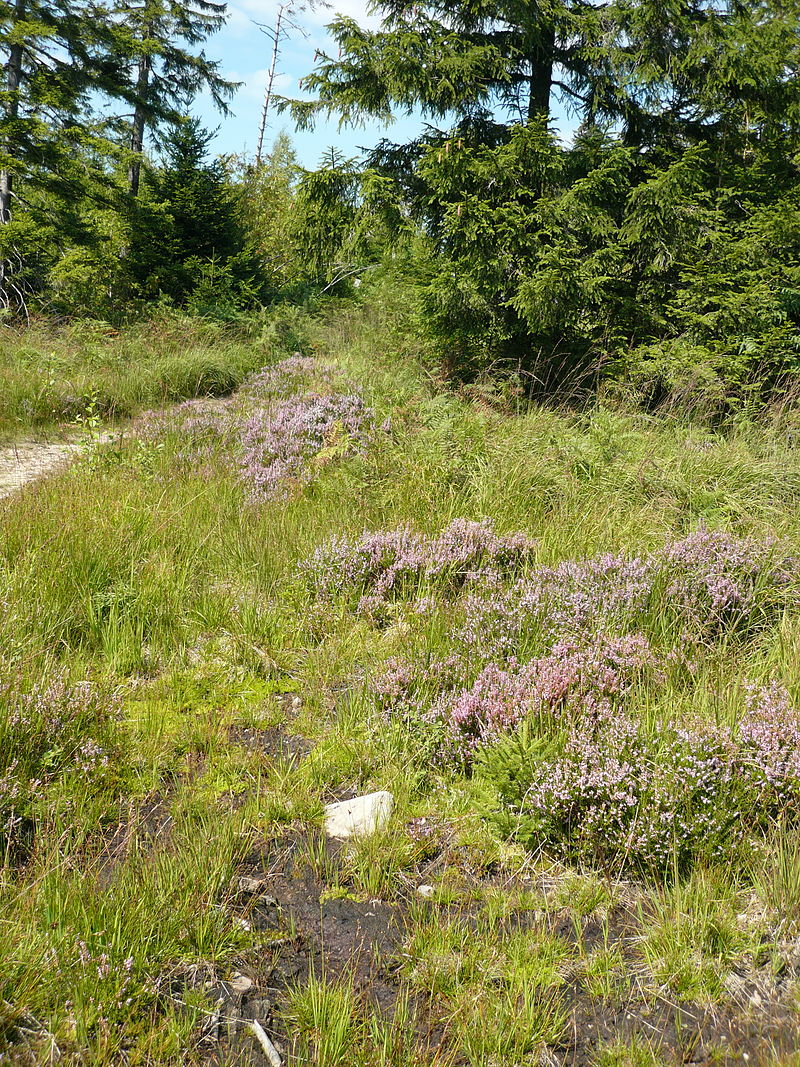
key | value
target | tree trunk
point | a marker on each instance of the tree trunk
(541, 80)
(13, 74)
(12, 79)
(137, 132)
(271, 80)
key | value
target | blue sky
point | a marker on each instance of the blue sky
(244, 54)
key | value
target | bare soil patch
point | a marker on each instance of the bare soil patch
(26, 461)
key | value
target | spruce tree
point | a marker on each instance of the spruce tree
(56, 61)
(471, 61)
(665, 234)
(196, 202)
(164, 70)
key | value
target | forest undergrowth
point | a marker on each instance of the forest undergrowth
(565, 639)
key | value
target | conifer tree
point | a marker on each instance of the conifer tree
(471, 60)
(666, 231)
(195, 201)
(158, 39)
(56, 59)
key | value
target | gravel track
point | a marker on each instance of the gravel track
(26, 461)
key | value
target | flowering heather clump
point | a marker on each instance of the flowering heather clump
(57, 726)
(393, 564)
(584, 684)
(405, 693)
(286, 377)
(279, 443)
(197, 418)
(704, 582)
(716, 577)
(207, 430)
(566, 601)
(272, 445)
(708, 580)
(584, 776)
(617, 795)
(50, 731)
(769, 740)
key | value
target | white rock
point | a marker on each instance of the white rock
(248, 884)
(241, 984)
(426, 891)
(359, 816)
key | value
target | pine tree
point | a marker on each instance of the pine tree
(56, 60)
(158, 39)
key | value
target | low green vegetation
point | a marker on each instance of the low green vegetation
(81, 374)
(564, 640)
(467, 470)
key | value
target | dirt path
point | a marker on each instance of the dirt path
(26, 461)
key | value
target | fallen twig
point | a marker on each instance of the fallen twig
(270, 1051)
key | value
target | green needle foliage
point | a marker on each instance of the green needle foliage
(67, 66)
(157, 41)
(659, 246)
(55, 56)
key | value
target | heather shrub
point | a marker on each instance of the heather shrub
(714, 581)
(379, 568)
(613, 793)
(456, 721)
(54, 732)
(692, 589)
(288, 444)
(570, 684)
(287, 377)
(275, 432)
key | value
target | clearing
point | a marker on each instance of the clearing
(565, 641)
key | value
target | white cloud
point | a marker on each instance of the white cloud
(254, 83)
(355, 9)
(245, 11)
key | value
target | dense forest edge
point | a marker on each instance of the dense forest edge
(656, 247)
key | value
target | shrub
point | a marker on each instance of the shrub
(613, 793)
(395, 564)
(51, 732)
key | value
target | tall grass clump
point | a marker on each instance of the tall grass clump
(52, 376)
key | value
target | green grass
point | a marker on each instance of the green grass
(180, 601)
(498, 991)
(56, 378)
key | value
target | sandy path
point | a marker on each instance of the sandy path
(26, 461)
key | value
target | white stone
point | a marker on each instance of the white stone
(248, 884)
(241, 984)
(426, 891)
(359, 816)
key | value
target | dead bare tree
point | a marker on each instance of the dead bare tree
(286, 23)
